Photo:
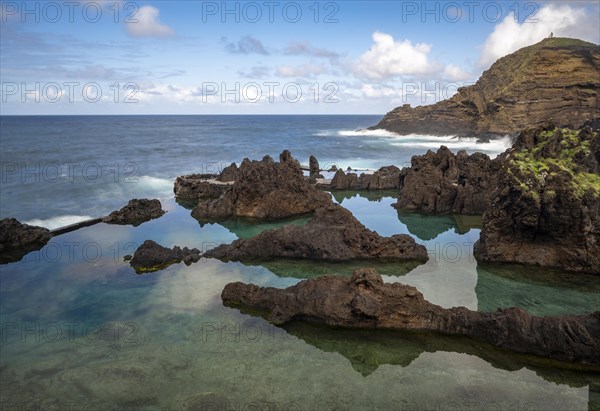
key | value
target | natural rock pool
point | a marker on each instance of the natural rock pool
(80, 329)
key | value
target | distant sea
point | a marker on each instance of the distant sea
(57, 170)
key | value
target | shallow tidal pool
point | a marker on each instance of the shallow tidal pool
(80, 330)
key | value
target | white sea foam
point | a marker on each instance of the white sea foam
(420, 141)
(59, 221)
(155, 183)
(357, 133)
(137, 187)
(496, 146)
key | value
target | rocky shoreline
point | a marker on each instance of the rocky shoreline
(521, 90)
(540, 202)
(546, 210)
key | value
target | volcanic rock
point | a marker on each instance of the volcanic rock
(547, 208)
(556, 78)
(267, 190)
(135, 212)
(386, 178)
(313, 168)
(364, 301)
(228, 174)
(443, 182)
(193, 187)
(17, 239)
(151, 256)
(333, 234)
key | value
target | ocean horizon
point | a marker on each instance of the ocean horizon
(59, 170)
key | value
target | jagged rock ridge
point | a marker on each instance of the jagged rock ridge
(333, 234)
(365, 301)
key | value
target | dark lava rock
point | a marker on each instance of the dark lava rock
(266, 190)
(365, 301)
(136, 212)
(547, 208)
(196, 186)
(350, 181)
(520, 90)
(17, 239)
(443, 182)
(228, 174)
(193, 187)
(386, 178)
(333, 234)
(313, 168)
(151, 256)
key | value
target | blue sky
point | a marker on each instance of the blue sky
(263, 57)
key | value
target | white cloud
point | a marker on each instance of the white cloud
(370, 91)
(455, 73)
(563, 20)
(390, 58)
(147, 24)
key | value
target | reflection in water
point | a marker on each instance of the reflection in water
(367, 350)
(247, 228)
(428, 227)
(167, 342)
(538, 290)
(310, 269)
(372, 196)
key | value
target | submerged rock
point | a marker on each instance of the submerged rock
(443, 182)
(136, 212)
(333, 234)
(17, 239)
(151, 256)
(547, 208)
(365, 301)
(265, 189)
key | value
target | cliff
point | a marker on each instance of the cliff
(557, 79)
(547, 207)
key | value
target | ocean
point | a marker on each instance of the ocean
(58, 170)
(81, 330)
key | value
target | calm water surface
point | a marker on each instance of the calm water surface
(80, 330)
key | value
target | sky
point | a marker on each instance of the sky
(262, 57)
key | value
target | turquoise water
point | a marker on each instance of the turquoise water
(80, 329)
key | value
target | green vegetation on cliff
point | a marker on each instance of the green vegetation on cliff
(556, 151)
